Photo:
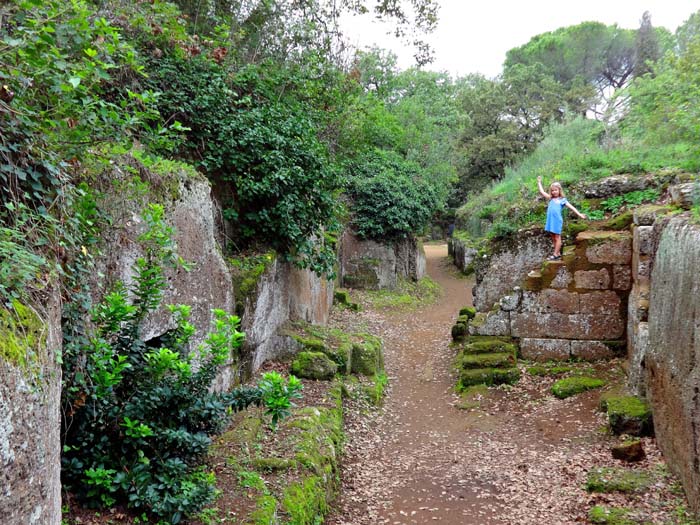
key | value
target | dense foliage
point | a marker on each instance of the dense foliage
(390, 197)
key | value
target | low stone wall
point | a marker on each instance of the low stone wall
(573, 308)
(672, 356)
(372, 265)
(30, 423)
(508, 265)
(284, 293)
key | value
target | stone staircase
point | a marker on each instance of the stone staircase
(572, 308)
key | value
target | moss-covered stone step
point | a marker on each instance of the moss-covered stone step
(488, 376)
(490, 360)
(570, 386)
(628, 415)
(488, 344)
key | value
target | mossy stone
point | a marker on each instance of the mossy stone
(484, 346)
(610, 516)
(459, 331)
(488, 376)
(341, 297)
(571, 386)
(313, 365)
(469, 311)
(493, 360)
(367, 358)
(613, 479)
(573, 228)
(620, 222)
(629, 415)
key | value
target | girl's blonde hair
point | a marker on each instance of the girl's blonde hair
(558, 186)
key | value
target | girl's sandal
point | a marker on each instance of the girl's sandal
(554, 258)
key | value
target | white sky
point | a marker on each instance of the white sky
(473, 35)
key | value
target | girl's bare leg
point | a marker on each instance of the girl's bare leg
(557, 244)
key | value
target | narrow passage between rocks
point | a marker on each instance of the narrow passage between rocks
(515, 455)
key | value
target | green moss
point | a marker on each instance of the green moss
(246, 272)
(273, 464)
(489, 345)
(407, 295)
(367, 357)
(375, 390)
(306, 502)
(621, 222)
(470, 396)
(610, 516)
(341, 297)
(492, 360)
(629, 415)
(459, 331)
(612, 479)
(571, 386)
(469, 311)
(487, 376)
(313, 365)
(22, 335)
(573, 228)
(265, 512)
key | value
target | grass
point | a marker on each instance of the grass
(571, 153)
(408, 295)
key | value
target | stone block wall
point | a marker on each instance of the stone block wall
(372, 265)
(573, 308)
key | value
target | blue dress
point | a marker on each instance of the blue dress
(554, 219)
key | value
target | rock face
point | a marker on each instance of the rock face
(284, 293)
(507, 267)
(30, 425)
(573, 308)
(673, 354)
(190, 210)
(372, 265)
(463, 255)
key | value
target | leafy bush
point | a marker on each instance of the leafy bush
(276, 176)
(138, 415)
(390, 198)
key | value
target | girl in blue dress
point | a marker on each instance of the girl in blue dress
(555, 221)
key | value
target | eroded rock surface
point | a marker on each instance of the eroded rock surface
(30, 446)
(673, 354)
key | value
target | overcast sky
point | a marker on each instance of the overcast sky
(473, 36)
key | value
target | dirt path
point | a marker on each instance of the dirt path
(517, 456)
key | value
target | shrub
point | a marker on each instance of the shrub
(138, 415)
(390, 198)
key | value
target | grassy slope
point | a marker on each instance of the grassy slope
(573, 155)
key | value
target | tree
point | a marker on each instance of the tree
(647, 50)
(588, 54)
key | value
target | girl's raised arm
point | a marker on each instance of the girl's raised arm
(542, 192)
(571, 207)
